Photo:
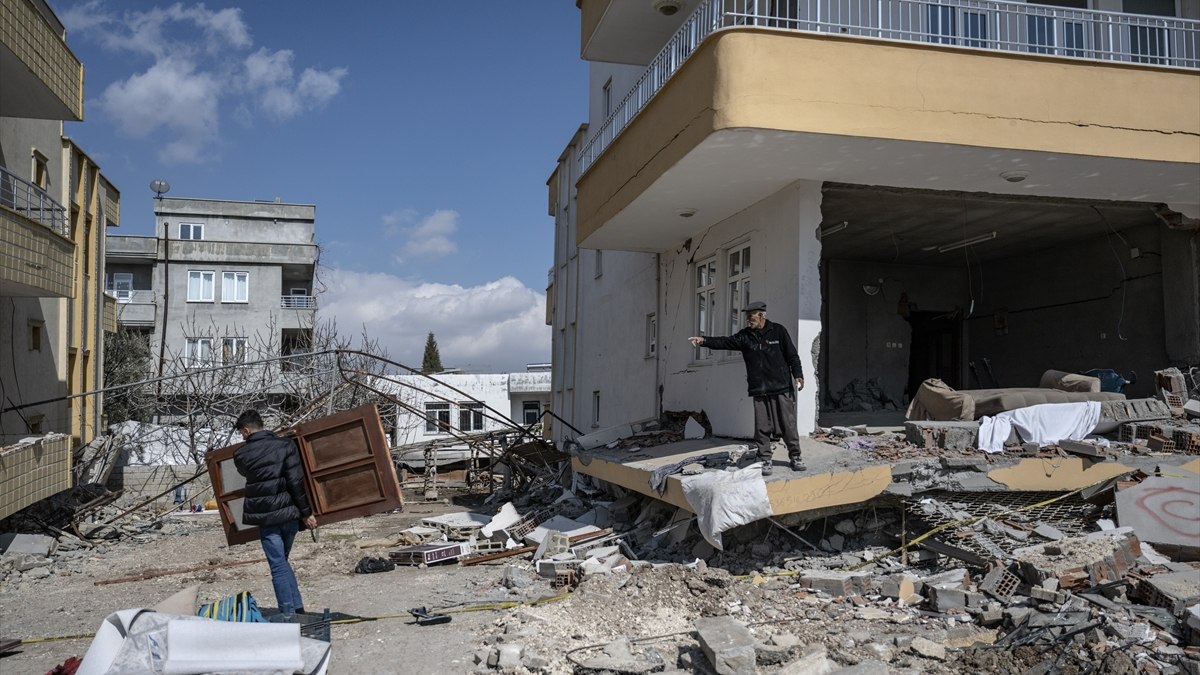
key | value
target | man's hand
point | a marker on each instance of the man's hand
(310, 522)
(799, 383)
(696, 341)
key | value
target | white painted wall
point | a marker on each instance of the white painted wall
(492, 389)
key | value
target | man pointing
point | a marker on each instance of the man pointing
(771, 366)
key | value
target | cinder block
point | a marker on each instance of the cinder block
(837, 584)
(728, 645)
(945, 435)
(944, 599)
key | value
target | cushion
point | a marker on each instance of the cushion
(1064, 381)
(936, 400)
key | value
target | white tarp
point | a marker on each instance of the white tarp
(1042, 424)
(723, 500)
(145, 641)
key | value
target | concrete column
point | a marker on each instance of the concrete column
(808, 325)
(1181, 294)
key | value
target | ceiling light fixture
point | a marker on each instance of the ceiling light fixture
(1015, 176)
(686, 213)
(967, 242)
(873, 288)
(832, 229)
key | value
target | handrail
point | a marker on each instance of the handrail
(996, 25)
(33, 202)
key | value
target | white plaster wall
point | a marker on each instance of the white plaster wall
(784, 274)
(623, 79)
(490, 389)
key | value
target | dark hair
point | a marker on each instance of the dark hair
(249, 420)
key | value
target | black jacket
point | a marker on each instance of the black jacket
(274, 480)
(772, 363)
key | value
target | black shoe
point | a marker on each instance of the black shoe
(768, 468)
(797, 464)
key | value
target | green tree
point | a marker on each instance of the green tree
(432, 361)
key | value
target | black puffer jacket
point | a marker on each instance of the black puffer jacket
(770, 357)
(274, 480)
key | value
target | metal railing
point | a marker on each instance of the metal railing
(1089, 35)
(127, 296)
(32, 202)
(298, 301)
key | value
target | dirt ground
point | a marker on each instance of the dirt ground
(69, 603)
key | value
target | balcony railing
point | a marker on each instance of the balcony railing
(131, 297)
(973, 24)
(32, 202)
(298, 302)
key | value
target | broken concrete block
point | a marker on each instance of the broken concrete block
(619, 657)
(728, 645)
(999, 583)
(944, 435)
(785, 640)
(558, 524)
(965, 463)
(814, 662)
(880, 651)
(693, 429)
(507, 515)
(20, 543)
(865, 667)
(843, 432)
(928, 649)
(770, 655)
(943, 599)
(509, 656)
(1163, 512)
(1174, 591)
(896, 586)
(955, 578)
(837, 584)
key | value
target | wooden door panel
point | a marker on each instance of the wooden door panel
(348, 472)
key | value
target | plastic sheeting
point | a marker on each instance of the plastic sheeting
(145, 641)
(723, 500)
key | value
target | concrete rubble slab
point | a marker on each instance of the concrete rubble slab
(839, 478)
(13, 543)
(558, 524)
(1162, 510)
(727, 644)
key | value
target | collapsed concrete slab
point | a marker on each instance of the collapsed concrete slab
(1164, 511)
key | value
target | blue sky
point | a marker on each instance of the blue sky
(422, 131)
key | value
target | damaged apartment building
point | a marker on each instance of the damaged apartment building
(976, 194)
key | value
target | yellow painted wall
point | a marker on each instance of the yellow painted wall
(752, 78)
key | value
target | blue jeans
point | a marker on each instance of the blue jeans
(277, 544)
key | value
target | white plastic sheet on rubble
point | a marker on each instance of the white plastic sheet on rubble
(723, 500)
(145, 641)
(1042, 424)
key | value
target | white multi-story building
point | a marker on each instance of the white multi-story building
(911, 187)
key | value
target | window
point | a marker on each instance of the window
(121, 286)
(738, 288)
(437, 417)
(599, 263)
(35, 423)
(35, 335)
(531, 412)
(199, 352)
(470, 416)
(595, 408)
(233, 350)
(235, 286)
(606, 98)
(200, 286)
(651, 334)
(41, 170)
(706, 301)
(193, 231)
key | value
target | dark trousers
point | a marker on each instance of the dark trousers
(775, 416)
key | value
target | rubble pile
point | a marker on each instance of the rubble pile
(862, 396)
(50, 537)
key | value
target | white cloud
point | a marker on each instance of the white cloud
(431, 236)
(202, 69)
(496, 327)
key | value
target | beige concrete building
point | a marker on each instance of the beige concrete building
(915, 189)
(55, 205)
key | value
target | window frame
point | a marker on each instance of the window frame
(195, 231)
(735, 305)
(435, 422)
(37, 334)
(121, 294)
(470, 412)
(232, 277)
(596, 409)
(193, 353)
(651, 334)
(212, 282)
(704, 302)
(526, 407)
(240, 345)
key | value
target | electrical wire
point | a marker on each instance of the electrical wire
(1120, 264)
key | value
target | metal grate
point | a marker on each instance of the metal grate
(1068, 515)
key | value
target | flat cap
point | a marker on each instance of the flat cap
(756, 306)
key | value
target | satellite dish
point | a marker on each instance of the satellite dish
(160, 187)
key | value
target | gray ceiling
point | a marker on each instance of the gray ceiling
(895, 225)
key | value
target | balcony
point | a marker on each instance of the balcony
(134, 308)
(298, 302)
(739, 106)
(1085, 35)
(37, 258)
(42, 77)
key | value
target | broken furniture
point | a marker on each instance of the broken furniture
(935, 400)
(348, 472)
